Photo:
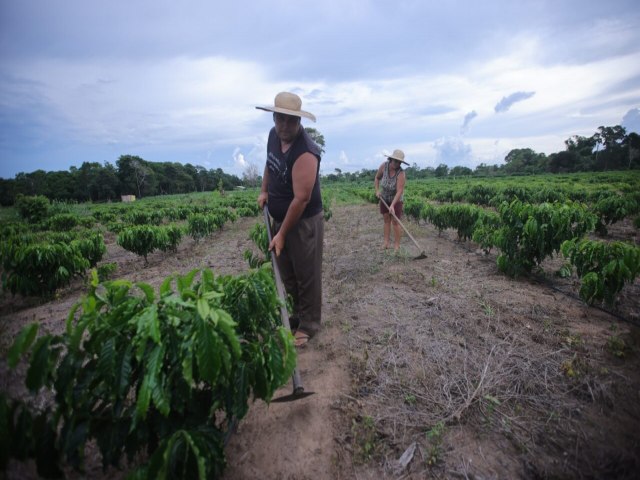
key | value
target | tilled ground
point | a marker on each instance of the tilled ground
(439, 367)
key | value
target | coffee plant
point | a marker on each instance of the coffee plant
(604, 268)
(531, 233)
(141, 240)
(32, 265)
(202, 225)
(32, 209)
(258, 234)
(146, 376)
(613, 209)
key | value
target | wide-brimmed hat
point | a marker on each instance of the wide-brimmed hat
(398, 155)
(289, 104)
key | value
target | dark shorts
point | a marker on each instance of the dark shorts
(397, 208)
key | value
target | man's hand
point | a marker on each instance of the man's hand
(277, 244)
(262, 199)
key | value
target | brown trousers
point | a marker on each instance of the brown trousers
(300, 264)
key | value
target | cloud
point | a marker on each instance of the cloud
(631, 120)
(506, 102)
(238, 159)
(467, 120)
(452, 151)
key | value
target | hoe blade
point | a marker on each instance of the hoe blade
(292, 397)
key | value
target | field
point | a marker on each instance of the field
(442, 367)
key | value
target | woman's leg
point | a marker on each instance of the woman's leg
(387, 230)
(397, 233)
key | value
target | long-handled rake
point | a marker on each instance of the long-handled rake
(422, 252)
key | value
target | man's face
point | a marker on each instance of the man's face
(286, 126)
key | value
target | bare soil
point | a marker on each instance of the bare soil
(468, 373)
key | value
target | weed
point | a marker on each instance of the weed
(364, 434)
(491, 402)
(574, 367)
(573, 341)
(617, 346)
(434, 281)
(434, 438)
(410, 399)
(106, 270)
(486, 308)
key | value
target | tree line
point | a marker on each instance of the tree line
(610, 148)
(131, 175)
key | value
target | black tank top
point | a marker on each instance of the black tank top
(280, 164)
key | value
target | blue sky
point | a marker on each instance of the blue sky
(458, 82)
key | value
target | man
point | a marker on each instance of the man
(291, 189)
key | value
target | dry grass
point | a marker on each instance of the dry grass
(448, 341)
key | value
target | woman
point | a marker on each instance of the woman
(389, 185)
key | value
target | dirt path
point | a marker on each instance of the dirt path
(471, 373)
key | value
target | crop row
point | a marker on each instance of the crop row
(526, 234)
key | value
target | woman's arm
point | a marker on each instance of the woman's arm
(376, 181)
(399, 188)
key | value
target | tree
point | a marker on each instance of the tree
(127, 174)
(317, 137)
(565, 162)
(106, 185)
(201, 178)
(610, 147)
(633, 143)
(484, 170)
(460, 171)
(251, 176)
(441, 170)
(524, 160)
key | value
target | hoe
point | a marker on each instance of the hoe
(298, 389)
(422, 252)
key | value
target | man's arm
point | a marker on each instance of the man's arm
(264, 189)
(303, 175)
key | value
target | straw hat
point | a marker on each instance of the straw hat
(289, 104)
(398, 155)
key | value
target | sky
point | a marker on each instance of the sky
(459, 82)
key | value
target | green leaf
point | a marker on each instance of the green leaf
(165, 287)
(107, 358)
(226, 326)
(203, 308)
(147, 290)
(207, 353)
(22, 343)
(160, 395)
(144, 397)
(40, 364)
(124, 371)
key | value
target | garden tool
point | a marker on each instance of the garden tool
(422, 252)
(298, 389)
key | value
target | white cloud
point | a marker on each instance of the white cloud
(631, 121)
(453, 151)
(239, 160)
